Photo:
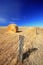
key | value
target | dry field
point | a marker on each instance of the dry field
(33, 46)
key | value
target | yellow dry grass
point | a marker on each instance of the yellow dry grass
(12, 28)
(33, 46)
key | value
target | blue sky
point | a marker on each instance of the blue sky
(21, 12)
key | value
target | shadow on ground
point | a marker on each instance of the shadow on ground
(19, 31)
(27, 53)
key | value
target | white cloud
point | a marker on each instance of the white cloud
(11, 22)
(2, 20)
(15, 19)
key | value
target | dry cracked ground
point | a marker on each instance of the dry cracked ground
(32, 46)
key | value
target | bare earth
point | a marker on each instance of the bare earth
(33, 46)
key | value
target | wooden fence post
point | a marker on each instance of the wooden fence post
(37, 30)
(20, 56)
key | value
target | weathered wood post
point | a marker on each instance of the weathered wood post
(20, 56)
(37, 30)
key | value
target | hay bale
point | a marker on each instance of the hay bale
(12, 27)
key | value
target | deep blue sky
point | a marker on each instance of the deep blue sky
(21, 12)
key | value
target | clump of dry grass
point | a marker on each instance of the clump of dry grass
(12, 28)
